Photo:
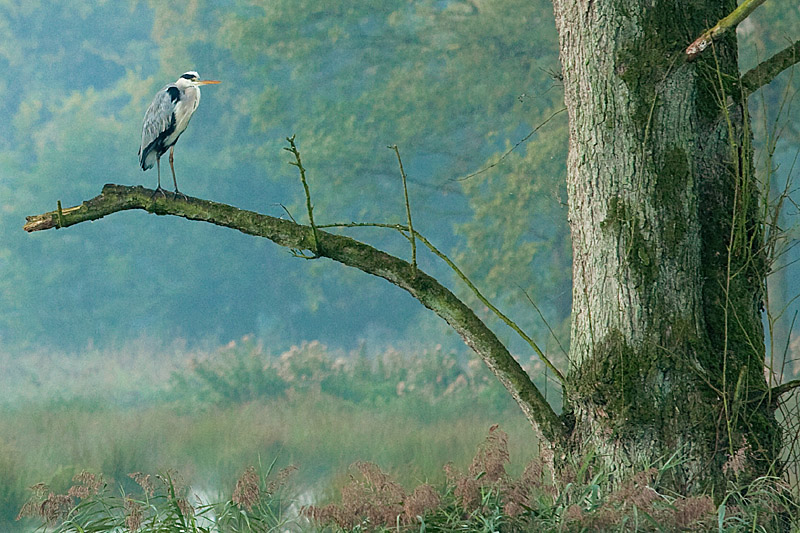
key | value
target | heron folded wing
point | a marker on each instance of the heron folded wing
(159, 124)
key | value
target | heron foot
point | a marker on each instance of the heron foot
(179, 193)
(159, 190)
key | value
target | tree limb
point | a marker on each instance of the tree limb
(413, 238)
(784, 388)
(767, 70)
(344, 250)
(727, 23)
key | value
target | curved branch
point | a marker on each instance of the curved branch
(767, 70)
(411, 234)
(344, 250)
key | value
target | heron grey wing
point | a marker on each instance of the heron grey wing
(159, 118)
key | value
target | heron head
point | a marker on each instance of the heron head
(192, 79)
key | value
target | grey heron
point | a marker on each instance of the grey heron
(165, 120)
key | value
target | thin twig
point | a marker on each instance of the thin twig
(510, 323)
(546, 323)
(408, 209)
(528, 136)
(60, 215)
(399, 227)
(299, 164)
(786, 347)
(288, 213)
(731, 21)
(294, 252)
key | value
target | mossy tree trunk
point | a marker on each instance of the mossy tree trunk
(667, 348)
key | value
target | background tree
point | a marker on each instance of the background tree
(352, 80)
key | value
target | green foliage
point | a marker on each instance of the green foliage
(234, 375)
(11, 487)
(485, 499)
(483, 493)
(145, 409)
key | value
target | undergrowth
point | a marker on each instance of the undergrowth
(487, 499)
(407, 412)
(163, 503)
(484, 498)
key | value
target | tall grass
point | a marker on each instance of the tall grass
(208, 414)
(398, 418)
(483, 497)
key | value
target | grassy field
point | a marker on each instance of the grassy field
(207, 415)
(365, 431)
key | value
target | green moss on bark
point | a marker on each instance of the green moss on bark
(615, 378)
(643, 62)
(624, 220)
(672, 180)
(646, 385)
(666, 27)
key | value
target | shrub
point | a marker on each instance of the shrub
(244, 372)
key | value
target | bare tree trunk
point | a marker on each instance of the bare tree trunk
(667, 348)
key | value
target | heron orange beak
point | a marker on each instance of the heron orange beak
(208, 82)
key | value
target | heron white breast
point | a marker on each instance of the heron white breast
(185, 108)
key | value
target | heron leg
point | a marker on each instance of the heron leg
(172, 166)
(159, 189)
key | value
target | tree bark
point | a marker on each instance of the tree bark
(667, 349)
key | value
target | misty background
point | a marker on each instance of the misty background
(116, 313)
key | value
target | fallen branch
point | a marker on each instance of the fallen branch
(768, 70)
(727, 23)
(344, 250)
